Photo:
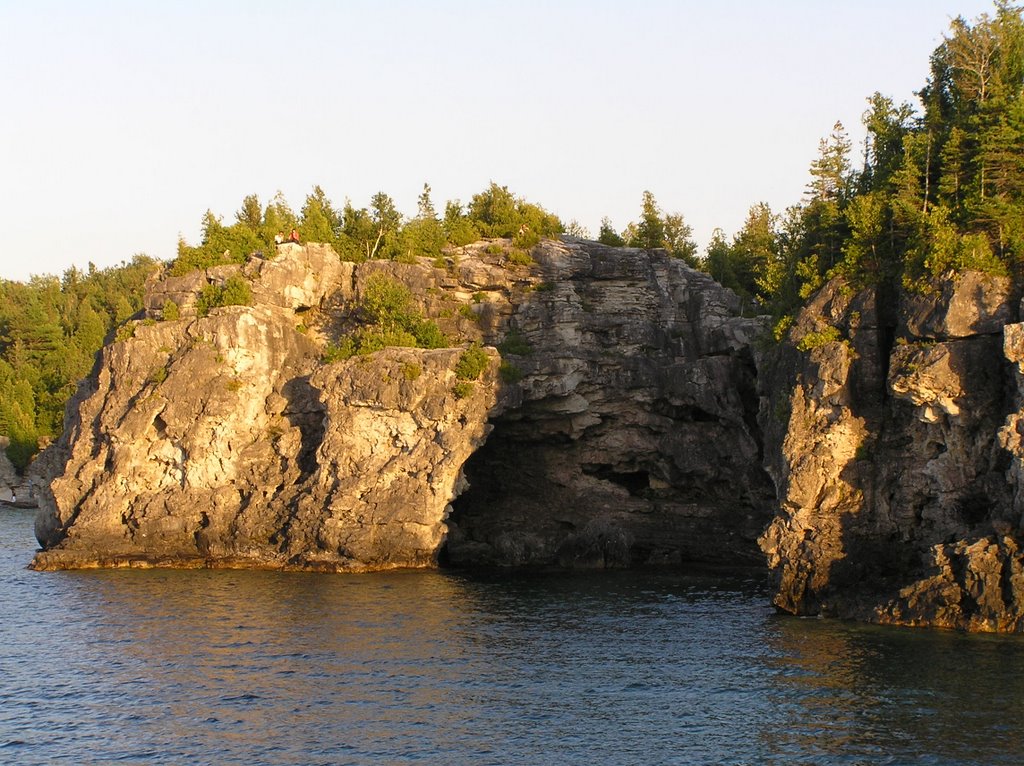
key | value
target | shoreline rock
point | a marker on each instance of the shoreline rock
(898, 465)
(628, 415)
(228, 438)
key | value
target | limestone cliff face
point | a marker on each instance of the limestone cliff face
(895, 444)
(627, 415)
(623, 422)
(225, 441)
(9, 479)
(632, 435)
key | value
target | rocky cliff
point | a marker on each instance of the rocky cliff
(619, 417)
(623, 414)
(894, 428)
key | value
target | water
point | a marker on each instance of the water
(155, 667)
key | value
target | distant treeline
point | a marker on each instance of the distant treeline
(936, 193)
(50, 330)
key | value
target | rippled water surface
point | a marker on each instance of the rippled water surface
(172, 667)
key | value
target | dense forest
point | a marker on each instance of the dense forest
(50, 330)
(934, 192)
(937, 191)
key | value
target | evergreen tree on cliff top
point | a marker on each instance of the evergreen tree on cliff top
(941, 191)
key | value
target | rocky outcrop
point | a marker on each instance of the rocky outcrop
(619, 416)
(625, 414)
(225, 440)
(631, 437)
(895, 446)
(9, 479)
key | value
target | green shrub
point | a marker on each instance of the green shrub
(371, 339)
(429, 335)
(782, 327)
(337, 352)
(157, 376)
(170, 311)
(388, 303)
(520, 257)
(462, 389)
(472, 363)
(234, 292)
(411, 371)
(816, 339)
(515, 343)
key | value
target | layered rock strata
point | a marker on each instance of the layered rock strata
(627, 414)
(623, 419)
(894, 431)
(632, 436)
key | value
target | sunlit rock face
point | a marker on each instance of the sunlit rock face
(225, 440)
(619, 415)
(896, 449)
(627, 414)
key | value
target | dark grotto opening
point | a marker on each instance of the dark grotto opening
(538, 499)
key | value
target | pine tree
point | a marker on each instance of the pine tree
(650, 231)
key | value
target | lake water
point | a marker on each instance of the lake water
(154, 667)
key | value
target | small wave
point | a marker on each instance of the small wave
(247, 697)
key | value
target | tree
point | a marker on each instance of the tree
(887, 125)
(494, 211)
(251, 213)
(278, 218)
(458, 228)
(50, 330)
(387, 222)
(607, 234)
(971, 52)
(678, 238)
(830, 171)
(718, 260)
(576, 229)
(319, 221)
(650, 231)
(423, 236)
(425, 205)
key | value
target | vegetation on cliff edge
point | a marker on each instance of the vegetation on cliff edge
(50, 331)
(940, 190)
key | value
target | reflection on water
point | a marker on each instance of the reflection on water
(862, 694)
(286, 668)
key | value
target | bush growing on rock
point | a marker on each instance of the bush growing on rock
(472, 363)
(515, 343)
(234, 292)
(389, 318)
(817, 339)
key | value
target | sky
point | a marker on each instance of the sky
(123, 122)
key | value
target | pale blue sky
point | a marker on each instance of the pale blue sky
(124, 121)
